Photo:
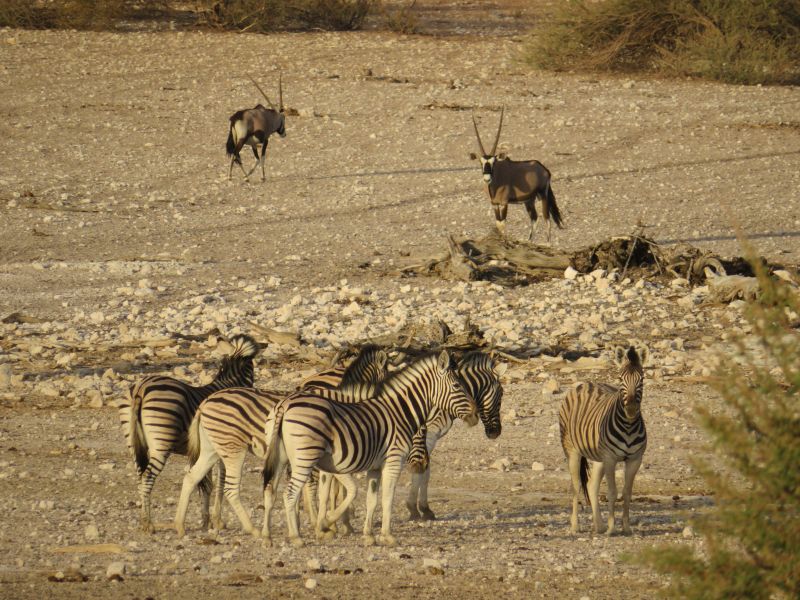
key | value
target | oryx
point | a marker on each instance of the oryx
(254, 126)
(514, 182)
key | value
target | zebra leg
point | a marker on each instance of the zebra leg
(372, 502)
(233, 480)
(270, 490)
(191, 480)
(631, 468)
(351, 491)
(389, 477)
(146, 482)
(323, 525)
(345, 490)
(413, 494)
(310, 490)
(611, 481)
(574, 460)
(424, 509)
(219, 487)
(595, 478)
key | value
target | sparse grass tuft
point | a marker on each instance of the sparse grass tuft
(738, 41)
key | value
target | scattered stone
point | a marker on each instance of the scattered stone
(311, 583)
(688, 532)
(314, 564)
(570, 273)
(91, 533)
(116, 571)
(550, 387)
(537, 466)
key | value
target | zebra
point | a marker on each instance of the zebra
(310, 430)
(156, 416)
(229, 423)
(481, 378)
(603, 424)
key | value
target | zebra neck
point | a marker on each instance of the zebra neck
(622, 419)
(230, 378)
(401, 394)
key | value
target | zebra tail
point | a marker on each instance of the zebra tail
(585, 478)
(550, 208)
(272, 455)
(136, 435)
(193, 452)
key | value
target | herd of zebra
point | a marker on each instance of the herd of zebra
(372, 416)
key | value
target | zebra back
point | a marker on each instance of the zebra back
(359, 380)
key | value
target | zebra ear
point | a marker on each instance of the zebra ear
(224, 346)
(382, 358)
(444, 361)
(500, 369)
(619, 355)
(644, 354)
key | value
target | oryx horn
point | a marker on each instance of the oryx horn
(271, 105)
(499, 129)
(483, 152)
(280, 91)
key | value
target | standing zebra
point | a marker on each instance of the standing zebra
(309, 430)
(230, 423)
(481, 378)
(156, 417)
(603, 424)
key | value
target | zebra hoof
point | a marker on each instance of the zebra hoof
(326, 535)
(368, 540)
(387, 540)
(266, 543)
(296, 542)
(180, 531)
(428, 515)
(148, 527)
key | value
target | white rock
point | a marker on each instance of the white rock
(550, 387)
(688, 532)
(97, 317)
(314, 564)
(432, 562)
(537, 466)
(115, 571)
(91, 532)
(501, 464)
(570, 273)
(5, 376)
(95, 398)
(311, 583)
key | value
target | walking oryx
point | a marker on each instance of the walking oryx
(514, 182)
(603, 424)
(253, 126)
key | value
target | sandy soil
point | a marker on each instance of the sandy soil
(112, 172)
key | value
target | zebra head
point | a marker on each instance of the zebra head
(488, 160)
(481, 378)
(455, 401)
(631, 364)
(236, 369)
(369, 367)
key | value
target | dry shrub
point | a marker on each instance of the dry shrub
(402, 20)
(270, 15)
(71, 14)
(740, 41)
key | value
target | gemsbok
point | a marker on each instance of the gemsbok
(516, 182)
(253, 126)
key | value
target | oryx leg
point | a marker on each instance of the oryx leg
(500, 212)
(254, 147)
(631, 468)
(264, 159)
(530, 207)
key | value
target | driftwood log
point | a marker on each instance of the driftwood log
(515, 262)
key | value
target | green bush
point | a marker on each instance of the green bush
(270, 15)
(739, 41)
(751, 538)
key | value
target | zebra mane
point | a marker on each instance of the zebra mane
(244, 346)
(416, 365)
(476, 357)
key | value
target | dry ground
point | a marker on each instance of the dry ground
(112, 170)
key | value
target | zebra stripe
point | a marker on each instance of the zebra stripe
(230, 423)
(481, 378)
(156, 417)
(604, 425)
(310, 430)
